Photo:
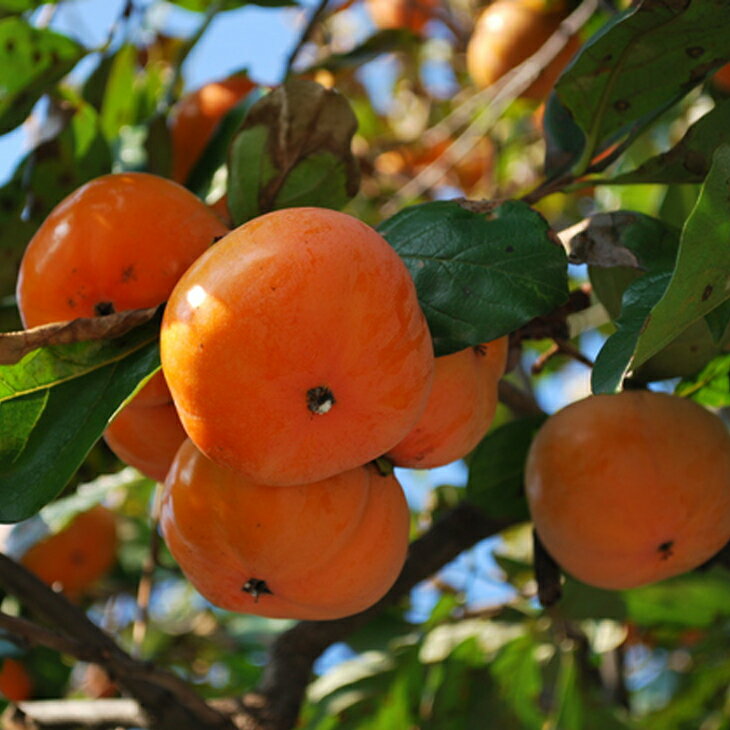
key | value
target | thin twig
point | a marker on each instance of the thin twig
(314, 19)
(144, 589)
(495, 99)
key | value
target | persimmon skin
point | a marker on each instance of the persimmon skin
(508, 32)
(196, 116)
(460, 408)
(75, 558)
(629, 489)
(146, 438)
(721, 78)
(323, 550)
(119, 242)
(411, 14)
(15, 682)
(295, 348)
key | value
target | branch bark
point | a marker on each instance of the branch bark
(164, 700)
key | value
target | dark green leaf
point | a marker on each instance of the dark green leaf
(614, 359)
(216, 151)
(694, 599)
(701, 280)
(690, 159)
(55, 404)
(564, 140)
(718, 320)
(496, 470)
(32, 61)
(479, 275)
(200, 6)
(293, 149)
(385, 41)
(649, 59)
(580, 601)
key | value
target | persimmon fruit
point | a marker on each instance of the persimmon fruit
(629, 489)
(460, 407)
(317, 551)
(146, 437)
(510, 31)
(411, 14)
(77, 556)
(119, 242)
(15, 682)
(196, 116)
(295, 348)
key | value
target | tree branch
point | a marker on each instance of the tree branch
(169, 701)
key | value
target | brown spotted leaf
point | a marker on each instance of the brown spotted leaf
(14, 346)
(293, 149)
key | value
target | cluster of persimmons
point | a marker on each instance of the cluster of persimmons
(294, 353)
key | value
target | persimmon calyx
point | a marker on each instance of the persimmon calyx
(320, 400)
(257, 588)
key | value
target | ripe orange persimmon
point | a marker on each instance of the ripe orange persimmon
(146, 437)
(295, 348)
(460, 408)
(196, 116)
(79, 555)
(119, 242)
(317, 551)
(411, 14)
(510, 31)
(628, 489)
(15, 682)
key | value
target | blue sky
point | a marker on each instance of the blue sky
(259, 39)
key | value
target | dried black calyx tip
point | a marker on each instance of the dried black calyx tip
(665, 549)
(320, 400)
(480, 349)
(256, 587)
(101, 309)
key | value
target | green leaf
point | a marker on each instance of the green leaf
(44, 177)
(694, 599)
(690, 159)
(479, 275)
(497, 468)
(57, 515)
(701, 279)
(518, 675)
(710, 387)
(119, 100)
(614, 359)
(293, 149)
(55, 404)
(20, 6)
(32, 61)
(649, 59)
